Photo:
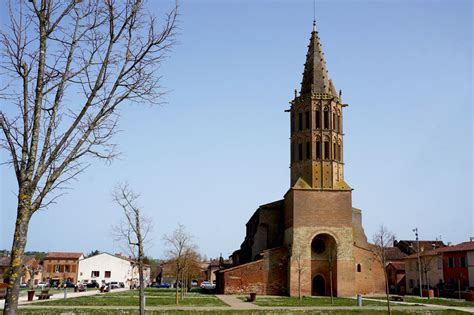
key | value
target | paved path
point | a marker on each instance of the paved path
(57, 294)
(236, 303)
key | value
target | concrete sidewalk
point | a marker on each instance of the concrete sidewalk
(58, 294)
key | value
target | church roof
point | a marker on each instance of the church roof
(315, 75)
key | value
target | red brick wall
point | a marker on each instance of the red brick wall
(310, 207)
(371, 277)
(266, 276)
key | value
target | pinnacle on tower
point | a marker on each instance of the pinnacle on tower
(315, 75)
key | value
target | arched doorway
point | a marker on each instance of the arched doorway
(319, 285)
(324, 265)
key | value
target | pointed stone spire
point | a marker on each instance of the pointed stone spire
(315, 76)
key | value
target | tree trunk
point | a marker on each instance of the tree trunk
(386, 291)
(330, 285)
(299, 284)
(18, 248)
(176, 287)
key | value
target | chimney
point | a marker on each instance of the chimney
(471, 239)
(450, 244)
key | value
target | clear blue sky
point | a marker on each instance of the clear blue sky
(219, 147)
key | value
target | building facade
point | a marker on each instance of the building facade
(61, 266)
(104, 268)
(312, 240)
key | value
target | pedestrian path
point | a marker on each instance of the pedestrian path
(57, 294)
(235, 302)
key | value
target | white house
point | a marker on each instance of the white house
(106, 267)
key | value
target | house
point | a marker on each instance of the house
(133, 278)
(395, 270)
(431, 270)
(396, 277)
(31, 270)
(4, 264)
(104, 268)
(61, 266)
(458, 265)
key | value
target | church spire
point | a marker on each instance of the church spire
(315, 76)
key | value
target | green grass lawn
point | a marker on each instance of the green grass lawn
(229, 312)
(437, 301)
(309, 301)
(154, 297)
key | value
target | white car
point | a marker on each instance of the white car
(42, 285)
(207, 285)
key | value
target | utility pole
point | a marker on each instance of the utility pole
(419, 261)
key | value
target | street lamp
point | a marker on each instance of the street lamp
(418, 257)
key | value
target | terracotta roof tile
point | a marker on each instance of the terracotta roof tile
(394, 253)
(63, 255)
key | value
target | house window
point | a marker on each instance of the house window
(57, 268)
(107, 274)
(451, 262)
(318, 119)
(95, 274)
(318, 150)
(359, 268)
(300, 121)
(462, 262)
(326, 119)
(66, 268)
(300, 151)
(308, 150)
(326, 150)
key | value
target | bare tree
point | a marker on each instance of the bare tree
(67, 67)
(133, 231)
(32, 268)
(179, 243)
(382, 239)
(297, 253)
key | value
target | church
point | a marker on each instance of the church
(312, 241)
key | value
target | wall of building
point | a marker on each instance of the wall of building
(67, 269)
(120, 269)
(470, 266)
(433, 276)
(267, 276)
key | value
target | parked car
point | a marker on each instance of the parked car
(163, 285)
(122, 285)
(42, 285)
(207, 285)
(194, 283)
(23, 285)
(114, 285)
(68, 284)
(92, 284)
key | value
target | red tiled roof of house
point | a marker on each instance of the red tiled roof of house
(394, 253)
(432, 252)
(466, 246)
(398, 265)
(27, 260)
(61, 255)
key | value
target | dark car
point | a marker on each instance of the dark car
(162, 285)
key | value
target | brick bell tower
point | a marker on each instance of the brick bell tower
(317, 127)
(319, 218)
